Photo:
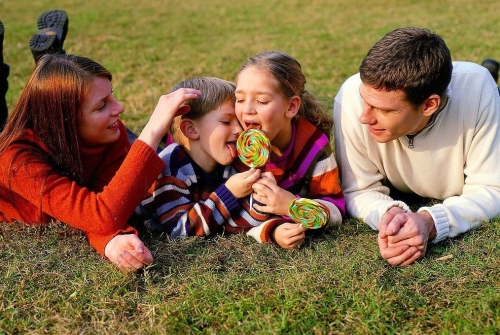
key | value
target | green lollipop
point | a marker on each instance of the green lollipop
(309, 213)
(253, 148)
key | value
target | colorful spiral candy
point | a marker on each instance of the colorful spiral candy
(253, 148)
(309, 213)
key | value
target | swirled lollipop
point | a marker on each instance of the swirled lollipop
(309, 213)
(253, 148)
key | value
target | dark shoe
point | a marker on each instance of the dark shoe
(492, 66)
(1, 42)
(4, 87)
(54, 22)
(44, 44)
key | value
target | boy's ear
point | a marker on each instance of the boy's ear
(293, 106)
(188, 128)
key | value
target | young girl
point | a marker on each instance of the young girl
(271, 96)
(65, 155)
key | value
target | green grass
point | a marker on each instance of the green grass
(51, 281)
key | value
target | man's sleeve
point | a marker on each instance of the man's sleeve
(480, 198)
(361, 176)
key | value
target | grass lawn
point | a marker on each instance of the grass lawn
(51, 281)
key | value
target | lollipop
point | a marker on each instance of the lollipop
(253, 148)
(309, 213)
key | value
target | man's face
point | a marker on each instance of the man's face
(388, 115)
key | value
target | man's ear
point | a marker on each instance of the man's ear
(293, 106)
(431, 104)
(188, 128)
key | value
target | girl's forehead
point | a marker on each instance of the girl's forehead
(255, 76)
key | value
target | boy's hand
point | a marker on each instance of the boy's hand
(289, 235)
(240, 184)
(168, 107)
(273, 198)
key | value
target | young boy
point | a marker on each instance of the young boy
(200, 192)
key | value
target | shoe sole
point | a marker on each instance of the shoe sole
(54, 22)
(2, 30)
(44, 44)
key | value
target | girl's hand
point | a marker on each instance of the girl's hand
(168, 107)
(289, 235)
(128, 252)
(273, 198)
(240, 184)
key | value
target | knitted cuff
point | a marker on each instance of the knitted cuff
(440, 222)
(268, 228)
(227, 198)
(397, 203)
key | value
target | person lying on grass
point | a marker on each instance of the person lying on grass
(65, 155)
(199, 193)
(414, 122)
(271, 97)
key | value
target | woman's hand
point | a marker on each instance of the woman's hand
(128, 252)
(168, 107)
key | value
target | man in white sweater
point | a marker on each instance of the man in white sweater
(414, 122)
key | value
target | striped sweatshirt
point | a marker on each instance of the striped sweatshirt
(307, 169)
(186, 201)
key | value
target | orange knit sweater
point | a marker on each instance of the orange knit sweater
(116, 175)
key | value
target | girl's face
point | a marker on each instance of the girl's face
(259, 105)
(100, 114)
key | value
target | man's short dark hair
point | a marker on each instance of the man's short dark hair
(413, 60)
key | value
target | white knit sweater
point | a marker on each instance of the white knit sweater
(456, 158)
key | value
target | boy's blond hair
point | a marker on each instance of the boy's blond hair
(214, 93)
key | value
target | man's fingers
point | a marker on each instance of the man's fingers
(402, 258)
(415, 257)
(394, 226)
(391, 252)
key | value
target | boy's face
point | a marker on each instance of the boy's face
(218, 132)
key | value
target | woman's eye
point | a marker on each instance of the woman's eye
(103, 106)
(262, 102)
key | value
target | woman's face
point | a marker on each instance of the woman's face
(100, 114)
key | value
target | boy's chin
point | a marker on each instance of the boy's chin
(227, 160)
